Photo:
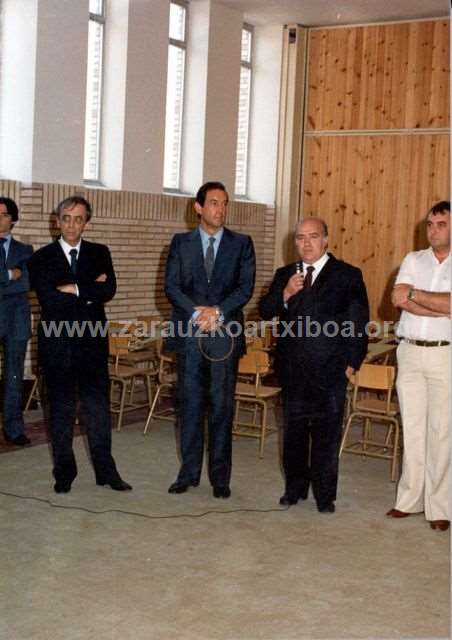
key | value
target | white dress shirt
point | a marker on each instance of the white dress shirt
(67, 248)
(422, 270)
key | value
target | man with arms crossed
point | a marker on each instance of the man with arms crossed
(209, 278)
(322, 306)
(15, 321)
(422, 291)
(73, 279)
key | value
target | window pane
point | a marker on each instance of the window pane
(247, 37)
(242, 134)
(93, 101)
(177, 22)
(173, 124)
(95, 6)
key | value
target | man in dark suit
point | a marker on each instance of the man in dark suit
(73, 279)
(15, 321)
(323, 310)
(209, 278)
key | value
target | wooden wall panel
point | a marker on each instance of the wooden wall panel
(392, 76)
(374, 191)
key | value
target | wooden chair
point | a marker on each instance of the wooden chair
(252, 396)
(124, 376)
(372, 404)
(34, 394)
(166, 382)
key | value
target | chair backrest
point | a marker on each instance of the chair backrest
(255, 363)
(375, 377)
(117, 346)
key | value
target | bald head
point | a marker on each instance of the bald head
(311, 239)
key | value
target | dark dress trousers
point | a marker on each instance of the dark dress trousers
(207, 366)
(73, 352)
(15, 331)
(328, 322)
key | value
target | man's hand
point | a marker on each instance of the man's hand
(68, 288)
(16, 273)
(294, 285)
(102, 278)
(207, 318)
(349, 372)
(399, 294)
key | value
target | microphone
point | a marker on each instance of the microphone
(299, 268)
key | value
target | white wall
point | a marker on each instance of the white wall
(147, 61)
(265, 111)
(60, 87)
(17, 98)
(222, 99)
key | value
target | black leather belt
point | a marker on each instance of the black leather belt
(426, 343)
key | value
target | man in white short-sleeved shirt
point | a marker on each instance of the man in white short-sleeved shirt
(422, 291)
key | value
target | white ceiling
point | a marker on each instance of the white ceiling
(334, 12)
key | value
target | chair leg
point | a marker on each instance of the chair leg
(263, 429)
(34, 394)
(345, 433)
(121, 405)
(151, 410)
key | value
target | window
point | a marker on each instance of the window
(91, 169)
(241, 165)
(175, 94)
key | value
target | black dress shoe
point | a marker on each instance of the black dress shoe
(182, 487)
(221, 492)
(288, 499)
(117, 484)
(18, 441)
(62, 487)
(329, 508)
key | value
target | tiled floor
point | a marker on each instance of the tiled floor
(96, 564)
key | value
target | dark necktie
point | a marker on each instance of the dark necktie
(73, 254)
(308, 278)
(2, 253)
(209, 259)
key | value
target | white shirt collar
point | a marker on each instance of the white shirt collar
(67, 248)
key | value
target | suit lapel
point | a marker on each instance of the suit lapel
(12, 259)
(197, 255)
(324, 275)
(223, 257)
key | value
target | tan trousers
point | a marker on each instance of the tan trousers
(424, 390)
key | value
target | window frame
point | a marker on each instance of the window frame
(181, 44)
(100, 18)
(247, 65)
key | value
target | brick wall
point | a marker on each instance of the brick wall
(138, 228)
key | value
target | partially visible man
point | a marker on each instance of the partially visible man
(73, 279)
(209, 278)
(422, 291)
(323, 310)
(15, 321)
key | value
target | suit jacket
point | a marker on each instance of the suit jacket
(230, 288)
(15, 315)
(61, 312)
(338, 295)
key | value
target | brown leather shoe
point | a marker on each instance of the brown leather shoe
(395, 513)
(442, 525)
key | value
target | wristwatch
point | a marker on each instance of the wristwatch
(410, 295)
